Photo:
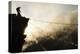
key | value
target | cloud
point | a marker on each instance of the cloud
(61, 23)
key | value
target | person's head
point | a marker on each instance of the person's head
(18, 9)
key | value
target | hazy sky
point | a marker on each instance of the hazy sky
(41, 11)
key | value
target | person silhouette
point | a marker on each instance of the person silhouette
(18, 11)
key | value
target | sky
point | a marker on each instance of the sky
(42, 17)
(41, 11)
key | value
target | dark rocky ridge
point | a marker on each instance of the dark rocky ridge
(17, 25)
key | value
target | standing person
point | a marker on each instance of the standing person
(18, 11)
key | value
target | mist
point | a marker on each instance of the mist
(63, 23)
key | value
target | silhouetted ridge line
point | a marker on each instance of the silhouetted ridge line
(17, 24)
